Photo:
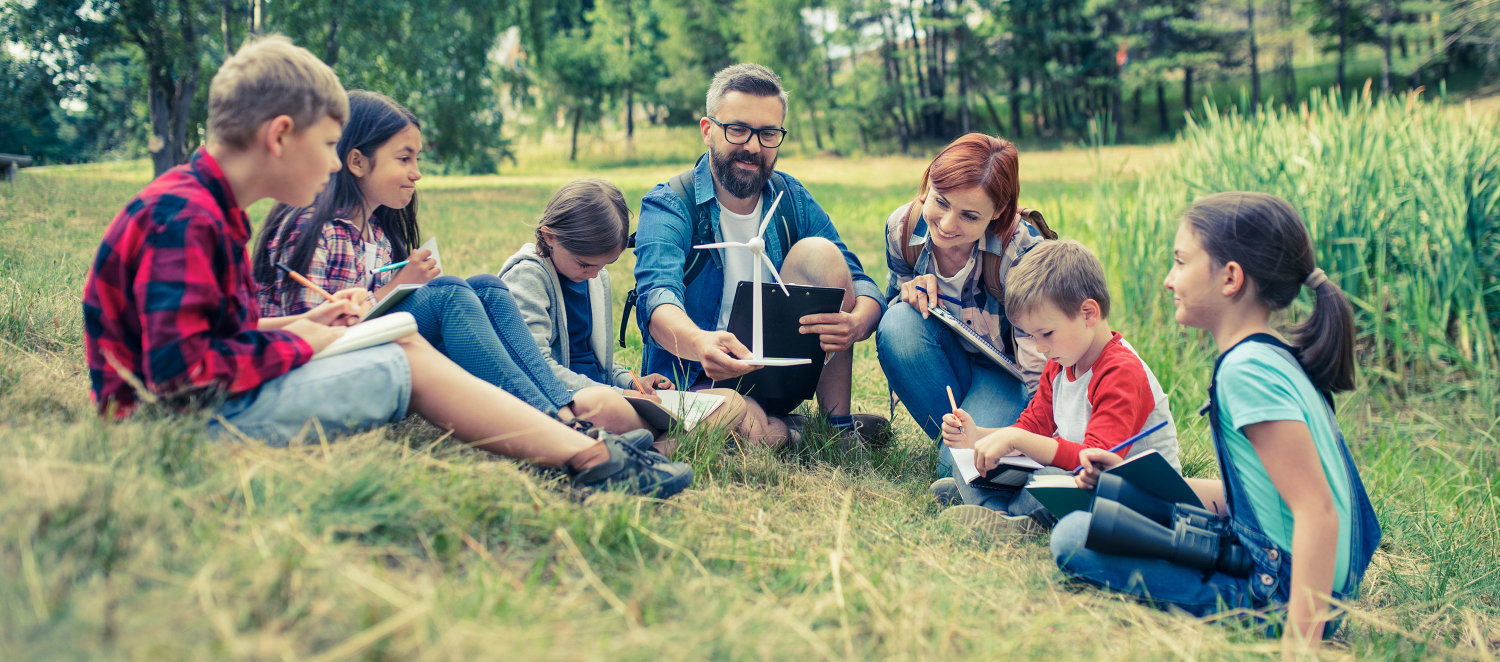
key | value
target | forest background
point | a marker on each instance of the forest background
(85, 80)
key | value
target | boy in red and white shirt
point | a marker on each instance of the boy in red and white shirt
(1095, 391)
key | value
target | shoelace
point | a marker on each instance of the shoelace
(634, 452)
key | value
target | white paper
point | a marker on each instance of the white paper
(383, 329)
(431, 244)
(688, 406)
(963, 458)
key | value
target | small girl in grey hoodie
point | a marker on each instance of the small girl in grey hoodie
(562, 290)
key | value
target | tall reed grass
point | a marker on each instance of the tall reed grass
(1402, 198)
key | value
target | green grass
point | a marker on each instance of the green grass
(138, 540)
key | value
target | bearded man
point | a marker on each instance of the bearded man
(683, 312)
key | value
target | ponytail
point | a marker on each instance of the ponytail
(1325, 341)
(1267, 238)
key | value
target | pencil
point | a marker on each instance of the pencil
(638, 385)
(942, 296)
(1122, 445)
(395, 265)
(954, 403)
(304, 281)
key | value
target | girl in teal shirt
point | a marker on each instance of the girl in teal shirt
(1289, 490)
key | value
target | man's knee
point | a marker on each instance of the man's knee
(816, 261)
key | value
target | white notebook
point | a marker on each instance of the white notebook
(1013, 469)
(369, 333)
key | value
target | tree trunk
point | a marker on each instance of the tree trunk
(630, 71)
(994, 116)
(224, 12)
(331, 44)
(1161, 107)
(963, 89)
(1288, 57)
(255, 16)
(169, 95)
(1254, 57)
(1135, 106)
(577, 120)
(1187, 90)
(1385, 47)
(894, 81)
(1015, 105)
(1343, 19)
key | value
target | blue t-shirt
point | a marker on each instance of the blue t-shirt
(1257, 383)
(581, 357)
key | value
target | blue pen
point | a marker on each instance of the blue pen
(388, 267)
(1126, 444)
(942, 296)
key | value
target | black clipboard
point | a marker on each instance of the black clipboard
(781, 317)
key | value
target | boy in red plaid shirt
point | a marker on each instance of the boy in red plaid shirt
(170, 313)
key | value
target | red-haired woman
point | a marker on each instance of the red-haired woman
(939, 248)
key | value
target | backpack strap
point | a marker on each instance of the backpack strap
(909, 227)
(682, 186)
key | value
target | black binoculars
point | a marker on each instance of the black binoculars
(1129, 521)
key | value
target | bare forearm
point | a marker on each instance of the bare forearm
(1035, 446)
(277, 323)
(1314, 544)
(868, 312)
(1211, 492)
(671, 328)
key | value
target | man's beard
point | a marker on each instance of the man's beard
(739, 182)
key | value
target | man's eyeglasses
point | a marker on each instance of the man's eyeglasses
(739, 134)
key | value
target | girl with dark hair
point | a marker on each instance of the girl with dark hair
(365, 219)
(951, 247)
(1290, 491)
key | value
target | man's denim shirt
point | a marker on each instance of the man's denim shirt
(666, 235)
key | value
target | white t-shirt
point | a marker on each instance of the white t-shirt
(953, 286)
(370, 254)
(738, 262)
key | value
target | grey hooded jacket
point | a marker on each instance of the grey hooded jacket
(534, 284)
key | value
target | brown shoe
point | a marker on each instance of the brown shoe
(870, 429)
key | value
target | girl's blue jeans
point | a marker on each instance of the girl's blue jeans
(921, 357)
(477, 325)
(1157, 581)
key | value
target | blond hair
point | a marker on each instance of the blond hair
(266, 78)
(1063, 273)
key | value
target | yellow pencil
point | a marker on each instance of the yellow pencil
(305, 282)
(638, 385)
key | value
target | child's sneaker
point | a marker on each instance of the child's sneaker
(945, 491)
(993, 523)
(630, 469)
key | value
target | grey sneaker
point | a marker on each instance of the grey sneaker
(641, 439)
(945, 491)
(635, 471)
(992, 523)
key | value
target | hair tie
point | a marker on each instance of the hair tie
(1315, 279)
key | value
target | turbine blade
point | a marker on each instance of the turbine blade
(775, 274)
(770, 213)
(724, 244)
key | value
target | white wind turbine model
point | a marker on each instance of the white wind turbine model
(757, 246)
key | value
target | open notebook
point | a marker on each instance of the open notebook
(684, 408)
(979, 342)
(1012, 472)
(370, 332)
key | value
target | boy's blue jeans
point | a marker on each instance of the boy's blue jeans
(476, 323)
(921, 357)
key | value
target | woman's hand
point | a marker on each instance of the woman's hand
(420, 268)
(922, 301)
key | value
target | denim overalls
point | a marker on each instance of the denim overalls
(1269, 584)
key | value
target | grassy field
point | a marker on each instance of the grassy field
(138, 541)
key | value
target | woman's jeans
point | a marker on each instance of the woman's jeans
(477, 325)
(921, 357)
